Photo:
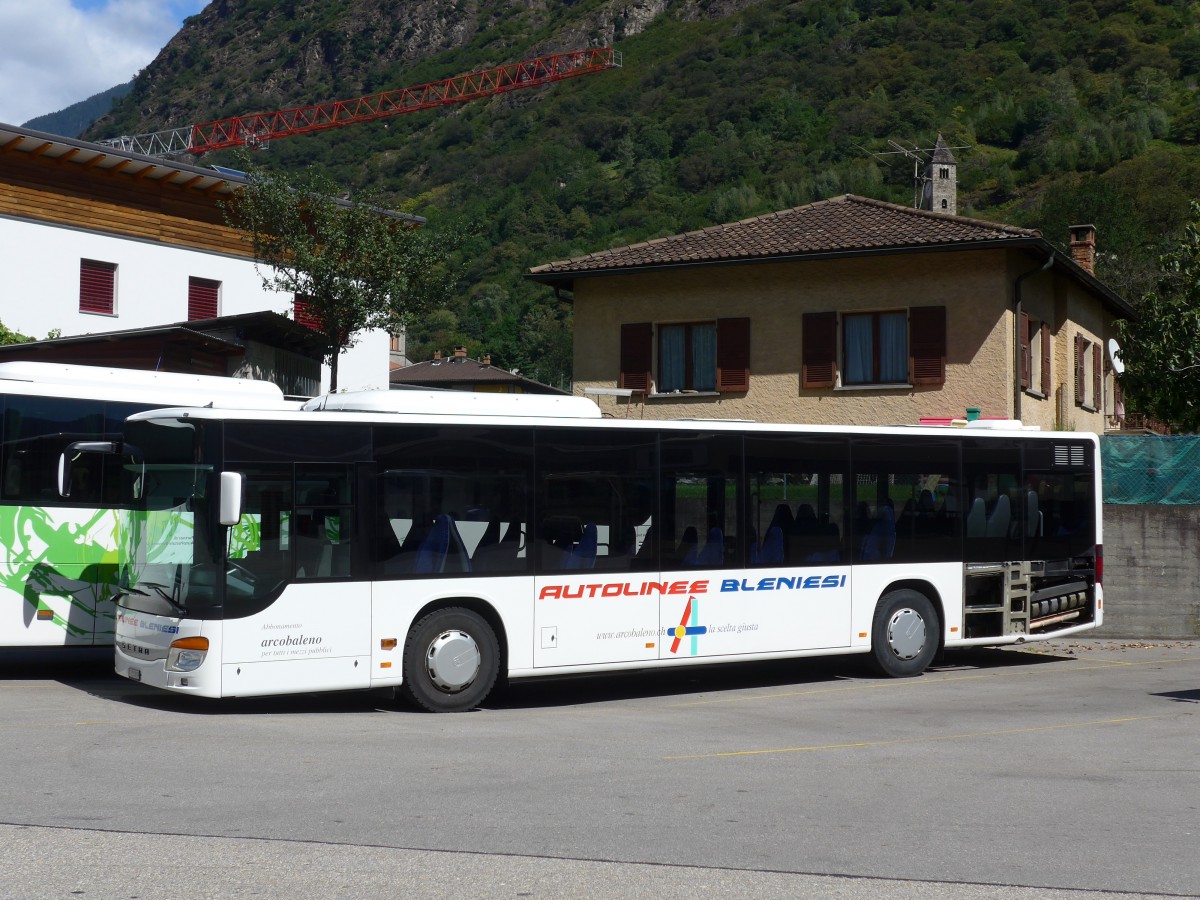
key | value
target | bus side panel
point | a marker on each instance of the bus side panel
(316, 636)
(58, 572)
(872, 581)
(396, 604)
(601, 617)
(758, 611)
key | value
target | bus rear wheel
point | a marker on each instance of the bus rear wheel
(904, 633)
(451, 660)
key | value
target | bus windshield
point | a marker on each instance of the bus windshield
(168, 557)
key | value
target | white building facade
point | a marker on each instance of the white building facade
(97, 240)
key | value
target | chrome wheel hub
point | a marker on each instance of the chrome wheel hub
(453, 660)
(906, 634)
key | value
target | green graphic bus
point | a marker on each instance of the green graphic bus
(58, 554)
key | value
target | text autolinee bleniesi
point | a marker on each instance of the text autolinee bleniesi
(701, 586)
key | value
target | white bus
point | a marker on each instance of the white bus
(457, 539)
(58, 566)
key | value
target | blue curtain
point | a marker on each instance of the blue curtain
(704, 357)
(893, 348)
(671, 358)
(859, 350)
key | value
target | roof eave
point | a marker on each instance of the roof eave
(565, 279)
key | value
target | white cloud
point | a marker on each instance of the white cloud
(57, 52)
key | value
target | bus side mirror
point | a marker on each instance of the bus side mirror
(71, 453)
(232, 484)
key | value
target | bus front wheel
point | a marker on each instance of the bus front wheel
(904, 633)
(451, 660)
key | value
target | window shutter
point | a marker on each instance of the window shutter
(97, 286)
(1097, 376)
(1046, 382)
(927, 344)
(733, 355)
(1078, 370)
(202, 298)
(1026, 351)
(303, 314)
(637, 340)
(818, 367)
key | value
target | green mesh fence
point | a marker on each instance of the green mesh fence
(1151, 468)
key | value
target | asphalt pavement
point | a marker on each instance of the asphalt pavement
(1056, 770)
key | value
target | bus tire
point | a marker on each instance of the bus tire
(451, 659)
(904, 633)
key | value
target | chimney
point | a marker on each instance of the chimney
(437, 355)
(1083, 247)
(460, 353)
(487, 360)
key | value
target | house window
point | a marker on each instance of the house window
(875, 348)
(97, 286)
(1035, 355)
(203, 298)
(687, 357)
(880, 348)
(1088, 373)
(691, 356)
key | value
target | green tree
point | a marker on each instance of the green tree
(8, 336)
(356, 265)
(1161, 347)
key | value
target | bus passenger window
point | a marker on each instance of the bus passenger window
(906, 500)
(796, 487)
(450, 500)
(596, 500)
(701, 514)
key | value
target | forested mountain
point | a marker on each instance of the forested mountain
(1068, 112)
(74, 119)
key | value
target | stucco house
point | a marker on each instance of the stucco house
(848, 310)
(98, 239)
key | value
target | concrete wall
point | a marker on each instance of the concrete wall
(1151, 572)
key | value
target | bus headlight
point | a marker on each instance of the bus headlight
(187, 654)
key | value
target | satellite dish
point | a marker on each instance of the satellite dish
(1114, 356)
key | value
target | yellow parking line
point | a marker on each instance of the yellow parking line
(915, 740)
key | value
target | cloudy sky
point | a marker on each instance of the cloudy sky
(57, 52)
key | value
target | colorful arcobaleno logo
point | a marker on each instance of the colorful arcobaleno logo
(689, 626)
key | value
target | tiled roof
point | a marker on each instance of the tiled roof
(838, 225)
(461, 371)
(441, 371)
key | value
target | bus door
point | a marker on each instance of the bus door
(295, 614)
(594, 547)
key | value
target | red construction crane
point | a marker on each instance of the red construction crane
(260, 128)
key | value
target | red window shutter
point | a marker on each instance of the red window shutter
(637, 339)
(1079, 348)
(1026, 351)
(818, 349)
(1097, 376)
(1046, 359)
(97, 286)
(927, 344)
(203, 294)
(302, 312)
(733, 355)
